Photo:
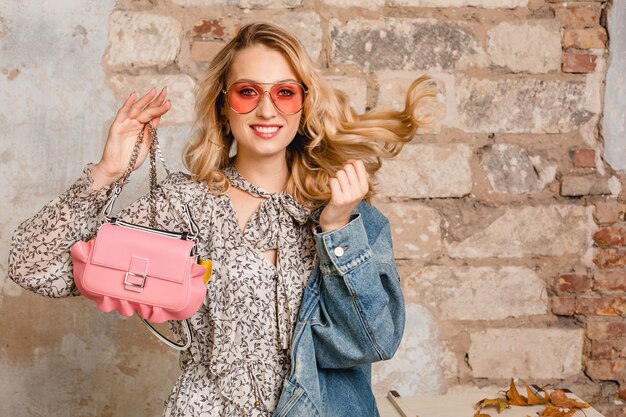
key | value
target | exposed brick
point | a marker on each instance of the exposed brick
(607, 369)
(578, 16)
(576, 63)
(585, 38)
(603, 329)
(579, 185)
(354, 87)
(205, 51)
(601, 349)
(601, 306)
(215, 29)
(610, 257)
(610, 236)
(574, 283)
(622, 392)
(610, 280)
(608, 211)
(564, 305)
(584, 158)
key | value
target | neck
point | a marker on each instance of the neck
(270, 174)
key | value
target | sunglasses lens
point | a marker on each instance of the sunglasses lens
(243, 97)
(287, 97)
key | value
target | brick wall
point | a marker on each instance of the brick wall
(508, 225)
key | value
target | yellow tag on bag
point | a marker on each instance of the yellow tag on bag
(207, 264)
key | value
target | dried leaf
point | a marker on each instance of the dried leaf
(558, 398)
(534, 399)
(551, 411)
(514, 397)
(498, 403)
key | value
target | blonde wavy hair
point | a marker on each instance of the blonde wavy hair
(330, 132)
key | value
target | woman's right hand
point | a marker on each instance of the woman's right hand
(130, 119)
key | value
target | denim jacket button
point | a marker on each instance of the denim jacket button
(339, 251)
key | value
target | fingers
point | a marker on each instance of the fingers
(351, 182)
(145, 109)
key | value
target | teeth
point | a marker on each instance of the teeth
(263, 129)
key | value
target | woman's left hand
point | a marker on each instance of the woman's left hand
(347, 188)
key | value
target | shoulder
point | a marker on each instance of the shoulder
(180, 184)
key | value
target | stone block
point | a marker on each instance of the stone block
(574, 283)
(244, 4)
(584, 158)
(511, 169)
(535, 353)
(428, 171)
(393, 86)
(555, 230)
(574, 186)
(140, 39)
(354, 87)
(205, 51)
(481, 293)
(532, 46)
(367, 4)
(488, 4)
(421, 351)
(522, 105)
(578, 16)
(608, 212)
(180, 90)
(610, 257)
(594, 38)
(614, 235)
(401, 44)
(306, 26)
(610, 280)
(577, 63)
(415, 228)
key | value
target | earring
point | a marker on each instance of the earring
(233, 149)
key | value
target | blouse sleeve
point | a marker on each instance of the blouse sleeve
(40, 258)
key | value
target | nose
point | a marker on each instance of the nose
(266, 108)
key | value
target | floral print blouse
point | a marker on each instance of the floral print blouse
(242, 333)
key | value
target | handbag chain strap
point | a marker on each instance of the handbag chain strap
(118, 185)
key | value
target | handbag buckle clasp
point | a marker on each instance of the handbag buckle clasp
(130, 285)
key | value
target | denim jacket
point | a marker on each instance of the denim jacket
(352, 314)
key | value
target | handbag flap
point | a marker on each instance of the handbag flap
(138, 251)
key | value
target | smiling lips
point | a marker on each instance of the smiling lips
(266, 131)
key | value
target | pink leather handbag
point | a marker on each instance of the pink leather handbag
(132, 268)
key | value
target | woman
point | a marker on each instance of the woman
(304, 293)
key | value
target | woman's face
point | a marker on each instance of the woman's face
(264, 131)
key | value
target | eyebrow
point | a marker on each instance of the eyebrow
(247, 80)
